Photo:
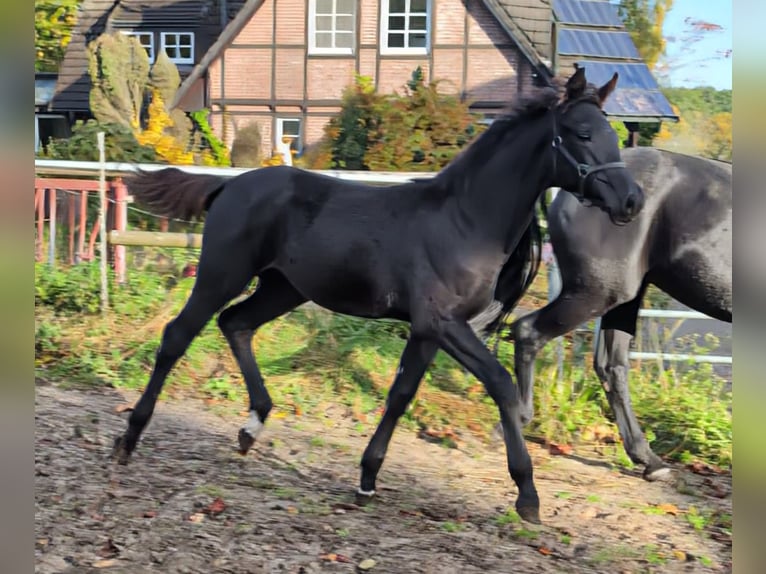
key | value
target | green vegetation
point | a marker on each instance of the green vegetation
(421, 129)
(312, 358)
(54, 22)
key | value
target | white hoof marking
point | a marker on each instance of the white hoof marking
(254, 426)
(365, 492)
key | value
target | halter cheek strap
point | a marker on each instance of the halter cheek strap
(584, 170)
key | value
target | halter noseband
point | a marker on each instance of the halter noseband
(584, 170)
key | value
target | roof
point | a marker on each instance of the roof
(95, 17)
(591, 34)
(227, 36)
(528, 22)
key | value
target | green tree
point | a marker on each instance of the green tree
(644, 20)
(54, 22)
(164, 78)
(119, 72)
(348, 132)
(120, 144)
(420, 130)
(705, 122)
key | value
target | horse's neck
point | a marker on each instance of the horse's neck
(499, 198)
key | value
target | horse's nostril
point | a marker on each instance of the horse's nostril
(631, 203)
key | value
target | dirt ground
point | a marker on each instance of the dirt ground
(188, 503)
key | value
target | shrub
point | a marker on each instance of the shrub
(120, 144)
(246, 147)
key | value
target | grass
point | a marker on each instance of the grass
(311, 358)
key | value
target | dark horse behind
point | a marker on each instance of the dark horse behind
(681, 242)
(427, 252)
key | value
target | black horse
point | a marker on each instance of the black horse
(427, 252)
(681, 242)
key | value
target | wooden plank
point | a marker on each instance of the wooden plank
(66, 184)
(155, 239)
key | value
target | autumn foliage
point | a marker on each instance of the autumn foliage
(421, 129)
(128, 91)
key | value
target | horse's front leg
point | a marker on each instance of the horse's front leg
(458, 340)
(417, 355)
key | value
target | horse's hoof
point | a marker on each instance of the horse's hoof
(364, 497)
(245, 441)
(529, 514)
(653, 473)
(120, 450)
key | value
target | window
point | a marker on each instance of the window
(179, 46)
(147, 41)
(332, 24)
(405, 26)
(290, 128)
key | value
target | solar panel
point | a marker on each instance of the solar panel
(637, 93)
(590, 12)
(613, 44)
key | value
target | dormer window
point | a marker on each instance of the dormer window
(179, 46)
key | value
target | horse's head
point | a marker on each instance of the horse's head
(587, 155)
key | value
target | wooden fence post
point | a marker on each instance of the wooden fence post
(120, 224)
(40, 206)
(51, 226)
(81, 254)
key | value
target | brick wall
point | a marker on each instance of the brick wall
(470, 52)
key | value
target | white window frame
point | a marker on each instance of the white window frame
(137, 33)
(384, 14)
(279, 131)
(313, 48)
(179, 60)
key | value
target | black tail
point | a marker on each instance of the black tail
(514, 280)
(173, 193)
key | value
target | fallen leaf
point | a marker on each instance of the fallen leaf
(555, 448)
(197, 517)
(292, 510)
(544, 550)
(668, 508)
(344, 559)
(150, 514)
(297, 410)
(331, 557)
(367, 564)
(410, 513)
(679, 554)
(215, 507)
(125, 408)
(104, 563)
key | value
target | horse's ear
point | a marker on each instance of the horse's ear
(576, 83)
(608, 88)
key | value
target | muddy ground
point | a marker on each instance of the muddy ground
(188, 503)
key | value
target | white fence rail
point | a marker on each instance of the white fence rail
(46, 167)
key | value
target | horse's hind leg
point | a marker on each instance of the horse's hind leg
(531, 332)
(611, 362)
(273, 297)
(417, 355)
(212, 290)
